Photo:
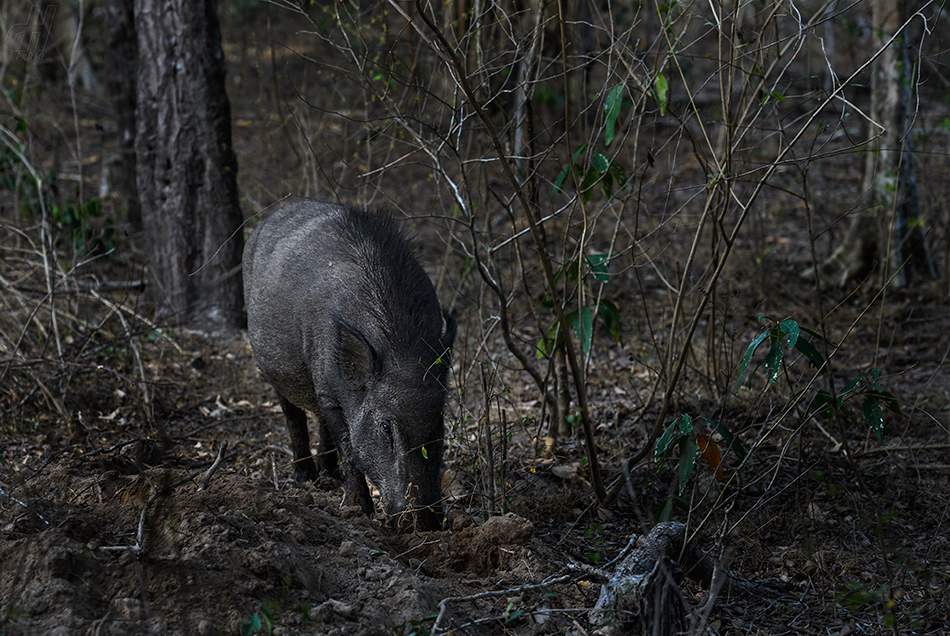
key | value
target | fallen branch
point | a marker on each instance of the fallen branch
(643, 596)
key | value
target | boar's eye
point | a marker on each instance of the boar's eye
(387, 428)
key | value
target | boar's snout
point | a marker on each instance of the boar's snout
(404, 519)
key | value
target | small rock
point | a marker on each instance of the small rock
(128, 608)
(351, 512)
(347, 549)
(343, 609)
(323, 611)
(507, 530)
(492, 541)
(376, 574)
(461, 522)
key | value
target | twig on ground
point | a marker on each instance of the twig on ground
(214, 467)
(878, 450)
(444, 603)
(139, 544)
(4, 493)
(273, 471)
(416, 547)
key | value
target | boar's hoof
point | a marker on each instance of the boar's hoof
(425, 519)
(329, 464)
(305, 470)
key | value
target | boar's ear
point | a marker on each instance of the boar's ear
(356, 359)
(449, 327)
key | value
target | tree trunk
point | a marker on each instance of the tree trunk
(892, 210)
(186, 172)
(120, 72)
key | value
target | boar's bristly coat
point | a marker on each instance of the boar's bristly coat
(345, 323)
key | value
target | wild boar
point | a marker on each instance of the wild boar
(344, 323)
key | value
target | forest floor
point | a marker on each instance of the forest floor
(105, 530)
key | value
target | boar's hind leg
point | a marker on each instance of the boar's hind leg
(304, 468)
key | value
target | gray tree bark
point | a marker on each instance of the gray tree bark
(120, 73)
(886, 235)
(186, 170)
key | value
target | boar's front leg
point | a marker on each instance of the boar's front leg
(327, 457)
(355, 488)
(304, 468)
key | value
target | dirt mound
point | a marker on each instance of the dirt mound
(112, 553)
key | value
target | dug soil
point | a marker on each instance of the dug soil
(111, 524)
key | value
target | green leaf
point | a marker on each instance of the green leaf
(573, 270)
(612, 111)
(566, 170)
(607, 185)
(873, 416)
(824, 405)
(600, 163)
(547, 343)
(664, 513)
(663, 444)
(620, 174)
(888, 399)
(810, 352)
(790, 330)
(425, 453)
(542, 350)
(814, 334)
(590, 180)
(686, 425)
(687, 461)
(734, 442)
(251, 626)
(849, 387)
(661, 89)
(583, 327)
(610, 314)
(749, 352)
(598, 266)
(773, 360)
